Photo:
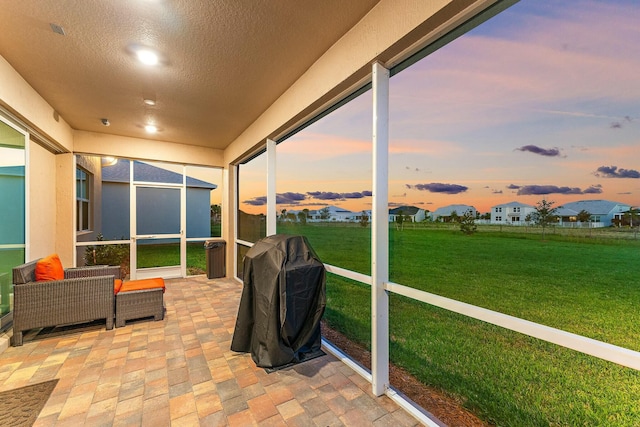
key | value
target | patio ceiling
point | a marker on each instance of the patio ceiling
(222, 63)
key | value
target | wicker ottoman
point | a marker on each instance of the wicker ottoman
(140, 298)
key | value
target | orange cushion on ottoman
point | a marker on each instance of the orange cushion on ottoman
(117, 285)
(140, 285)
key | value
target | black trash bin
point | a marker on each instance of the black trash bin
(283, 300)
(215, 253)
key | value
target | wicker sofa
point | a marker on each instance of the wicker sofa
(85, 294)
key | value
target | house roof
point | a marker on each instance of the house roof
(332, 210)
(512, 205)
(145, 172)
(447, 210)
(562, 211)
(406, 210)
(597, 207)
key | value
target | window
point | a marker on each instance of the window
(515, 219)
(12, 211)
(516, 209)
(498, 209)
(498, 218)
(82, 200)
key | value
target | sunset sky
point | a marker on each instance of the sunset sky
(541, 101)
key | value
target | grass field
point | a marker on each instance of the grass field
(584, 284)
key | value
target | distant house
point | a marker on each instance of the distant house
(334, 213)
(115, 205)
(566, 217)
(444, 214)
(359, 215)
(603, 212)
(514, 213)
(410, 214)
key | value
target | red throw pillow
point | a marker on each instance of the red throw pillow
(49, 268)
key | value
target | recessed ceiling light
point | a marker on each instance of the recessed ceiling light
(147, 56)
(151, 128)
(149, 101)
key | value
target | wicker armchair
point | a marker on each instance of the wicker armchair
(85, 294)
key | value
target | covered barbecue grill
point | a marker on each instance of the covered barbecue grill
(282, 302)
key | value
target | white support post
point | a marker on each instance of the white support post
(380, 233)
(271, 187)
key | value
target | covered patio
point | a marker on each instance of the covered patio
(180, 372)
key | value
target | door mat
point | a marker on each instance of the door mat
(304, 358)
(21, 406)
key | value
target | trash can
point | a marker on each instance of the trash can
(215, 254)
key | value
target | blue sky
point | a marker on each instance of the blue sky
(541, 101)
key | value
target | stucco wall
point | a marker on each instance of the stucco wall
(146, 149)
(20, 98)
(42, 210)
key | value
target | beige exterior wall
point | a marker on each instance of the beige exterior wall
(41, 218)
(145, 149)
(21, 99)
(93, 165)
(65, 219)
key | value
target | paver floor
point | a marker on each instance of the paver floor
(181, 372)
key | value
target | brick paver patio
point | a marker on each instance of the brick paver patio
(181, 372)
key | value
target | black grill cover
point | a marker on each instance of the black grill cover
(283, 300)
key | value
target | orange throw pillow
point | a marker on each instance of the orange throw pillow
(49, 268)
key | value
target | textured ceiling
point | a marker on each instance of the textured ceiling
(224, 61)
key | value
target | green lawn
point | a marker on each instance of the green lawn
(169, 254)
(584, 285)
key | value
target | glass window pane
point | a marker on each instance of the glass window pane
(252, 199)
(324, 185)
(471, 132)
(204, 201)
(158, 210)
(114, 199)
(196, 258)
(158, 253)
(12, 195)
(522, 124)
(105, 254)
(12, 210)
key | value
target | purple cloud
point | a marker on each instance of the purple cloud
(438, 187)
(281, 199)
(256, 201)
(548, 152)
(513, 187)
(614, 172)
(290, 197)
(594, 189)
(619, 124)
(329, 195)
(554, 189)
